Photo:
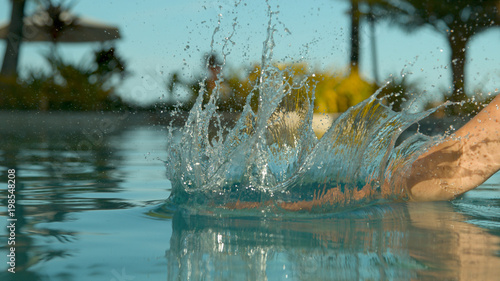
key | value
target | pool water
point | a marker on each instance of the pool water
(90, 190)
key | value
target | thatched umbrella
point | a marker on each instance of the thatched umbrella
(62, 27)
(55, 24)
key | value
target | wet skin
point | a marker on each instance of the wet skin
(462, 162)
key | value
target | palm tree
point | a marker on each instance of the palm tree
(14, 38)
(361, 10)
(458, 20)
(15, 34)
(355, 17)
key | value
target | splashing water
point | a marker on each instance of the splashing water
(272, 160)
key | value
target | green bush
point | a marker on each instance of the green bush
(82, 87)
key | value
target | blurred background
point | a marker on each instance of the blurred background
(80, 81)
(90, 55)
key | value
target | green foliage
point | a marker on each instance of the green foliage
(458, 21)
(464, 17)
(68, 87)
(57, 22)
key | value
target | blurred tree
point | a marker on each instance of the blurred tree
(107, 63)
(458, 20)
(89, 85)
(14, 38)
(354, 39)
(359, 9)
(398, 92)
(15, 33)
(373, 39)
(84, 86)
(58, 22)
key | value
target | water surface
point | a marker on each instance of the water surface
(95, 211)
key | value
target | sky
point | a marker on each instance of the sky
(162, 37)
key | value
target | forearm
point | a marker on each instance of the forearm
(461, 163)
(481, 139)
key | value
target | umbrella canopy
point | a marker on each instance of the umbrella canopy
(65, 28)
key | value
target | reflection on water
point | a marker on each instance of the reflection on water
(361, 245)
(65, 165)
(388, 242)
(90, 207)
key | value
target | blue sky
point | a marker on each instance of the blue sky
(159, 37)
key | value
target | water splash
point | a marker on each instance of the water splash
(272, 160)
